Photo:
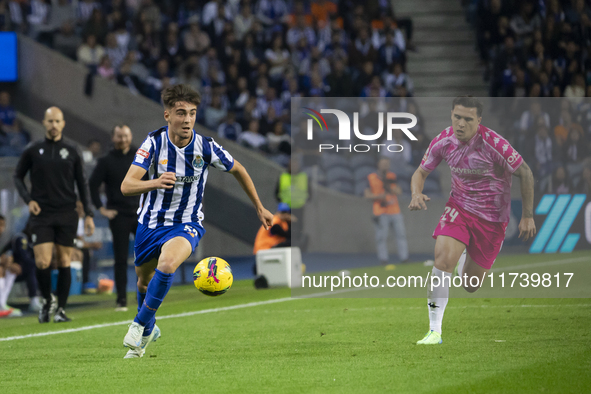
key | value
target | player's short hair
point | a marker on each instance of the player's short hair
(469, 102)
(180, 92)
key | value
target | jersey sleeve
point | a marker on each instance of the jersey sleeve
(144, 156)
(24, 165)
(434, 153)
(503, 154)
(220, 158)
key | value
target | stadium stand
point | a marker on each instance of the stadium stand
(540, 50)
(245, 57)
(534, 48)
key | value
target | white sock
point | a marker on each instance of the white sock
(9, 278)
(461, 263)
(437, 298)
(2, 287)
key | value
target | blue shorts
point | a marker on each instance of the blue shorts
(149, 241)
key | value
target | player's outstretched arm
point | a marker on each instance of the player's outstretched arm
(417, 183)
(527, 227)
(133, 184)
(245, 182)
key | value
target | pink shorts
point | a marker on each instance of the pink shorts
(483, 239)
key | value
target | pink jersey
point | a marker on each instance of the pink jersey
(481, 171)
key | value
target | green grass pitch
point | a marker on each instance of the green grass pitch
(312, 345)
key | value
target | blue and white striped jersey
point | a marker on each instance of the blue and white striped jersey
(182, 203)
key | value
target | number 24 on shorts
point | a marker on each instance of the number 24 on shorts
(452, 214)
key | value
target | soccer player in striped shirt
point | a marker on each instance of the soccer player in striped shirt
(477, 213)
(176, 160)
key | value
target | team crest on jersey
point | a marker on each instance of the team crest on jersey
(64, 153)
(198, 162)
(41, 151)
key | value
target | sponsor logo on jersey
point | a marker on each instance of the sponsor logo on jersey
(513, 158)
(467, 171)
(143, 153)
(187, 179)
(164, 162)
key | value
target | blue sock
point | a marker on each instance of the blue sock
(157, 290)
(149, 327)
(140, 300)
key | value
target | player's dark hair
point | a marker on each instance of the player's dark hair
(469, 102)
(2, 217)
(176, 93)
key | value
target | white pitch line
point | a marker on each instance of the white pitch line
(185, 314)
(542, 264)
(465, 307)
(274, 301)
(120, 323)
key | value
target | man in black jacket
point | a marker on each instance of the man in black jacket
(120, 210)
(55, 168)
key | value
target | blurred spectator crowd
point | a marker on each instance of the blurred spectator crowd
(249, 57)
(541, 49)
(553, 136)
(534, 48)
(13, 138)
(246, 57)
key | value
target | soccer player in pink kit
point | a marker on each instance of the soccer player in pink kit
(477, 213)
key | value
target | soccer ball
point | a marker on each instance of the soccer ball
(213, 276)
